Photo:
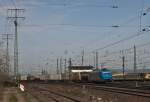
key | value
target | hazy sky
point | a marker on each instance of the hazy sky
(63, 28)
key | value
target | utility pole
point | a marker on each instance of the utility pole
(135, 67)
(82, 57)
(15, 17)
(57, 66)
(96, 60)
(60, 66)
(123, 64)
(65, 68)
(123, 69)
(70, 62)
(6, 36)
(144, 66)
(69, 68)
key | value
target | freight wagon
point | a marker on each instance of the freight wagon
(131, 76)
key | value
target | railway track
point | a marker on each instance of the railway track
(49, 95)
(116, 89)
(62, 92)
(124, 91)
(136, 91)
(129, 91)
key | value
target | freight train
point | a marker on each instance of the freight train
(131, 76)
(97, 75)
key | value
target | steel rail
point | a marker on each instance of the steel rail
(58, 94)
(128, 91)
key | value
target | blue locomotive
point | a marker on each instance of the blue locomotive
(102, 75)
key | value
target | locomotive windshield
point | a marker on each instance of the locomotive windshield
(104, 69)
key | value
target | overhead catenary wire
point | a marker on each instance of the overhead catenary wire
(68, 24)
(68, 4)
(122, 40)
(140, 15)
(2, 5)
(126, 51)
(128, 21)
(14, 4)
(117, 42)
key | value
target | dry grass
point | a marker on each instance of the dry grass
(1, 91)
(26, 96)
(13, 98)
